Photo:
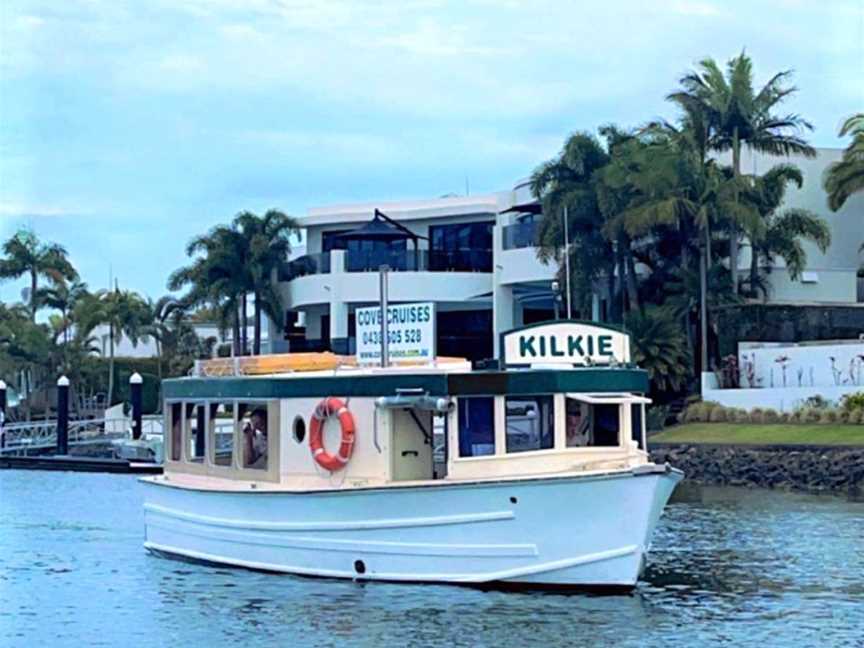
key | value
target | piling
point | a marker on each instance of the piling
(136, 387)
(63, 415)
(2, 413)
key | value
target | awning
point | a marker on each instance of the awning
(380, 228)
(609, 398)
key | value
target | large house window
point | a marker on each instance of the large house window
(530, 422)
(464, 247)
(476, 426)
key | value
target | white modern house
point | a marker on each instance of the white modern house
(474, 257)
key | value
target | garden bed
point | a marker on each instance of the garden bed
(761, 434)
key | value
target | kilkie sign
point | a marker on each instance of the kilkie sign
(566, 343)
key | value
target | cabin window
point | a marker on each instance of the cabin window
(636, 424)
(176, 426)
(530, 423)
(476, 426)
(196, 432)
(222, 433)
(592, 424)
(252, 419)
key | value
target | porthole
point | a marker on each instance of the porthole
(299, 429)
(359, 567)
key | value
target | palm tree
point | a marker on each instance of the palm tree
(568, 181)
(161, 317)
(125, 313)
(62, 295)
(780, 234)
(267, 242)
(846, 177)
(217, 277)
(27, 255)
(736, 113)
(660, 348)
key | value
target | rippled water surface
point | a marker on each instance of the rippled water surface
(729, 567)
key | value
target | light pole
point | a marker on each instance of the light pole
(556, 296)
(567, 263)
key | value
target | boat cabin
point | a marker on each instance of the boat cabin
(562, 399)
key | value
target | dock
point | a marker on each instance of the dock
(79, 464)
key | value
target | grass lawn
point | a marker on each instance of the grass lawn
(768, 434)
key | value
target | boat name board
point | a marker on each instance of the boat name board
(566, 343)
(410, 332)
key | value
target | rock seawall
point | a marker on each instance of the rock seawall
(810, 468)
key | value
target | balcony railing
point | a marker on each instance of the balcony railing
(398, 260)
(308, 264)
(419, 260)
(520, 235)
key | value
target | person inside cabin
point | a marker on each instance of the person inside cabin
(578, 425)
(255, 440)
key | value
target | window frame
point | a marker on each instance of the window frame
(235, 470)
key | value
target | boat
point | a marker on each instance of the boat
(528, 470)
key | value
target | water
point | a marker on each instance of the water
(729, 567)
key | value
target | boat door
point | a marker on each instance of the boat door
(411, 445)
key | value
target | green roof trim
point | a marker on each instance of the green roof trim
(442, 384)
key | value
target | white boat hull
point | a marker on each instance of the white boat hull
(577, 531)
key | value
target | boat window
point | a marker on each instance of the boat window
(252, 419)
(530, 423)
(196, 432)
(636, 419)
(176, 426)
(299, 429)
(592, 424)
(476, 426)
(222, 433)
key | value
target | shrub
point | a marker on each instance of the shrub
(770, 416)
(843, 416)
(854, 401)
(828, 416)
(718, 415)
(856, 416)
(757, 414)
(816, 402)
(740, 415)
(785, 417)
(810, 415)
(655, 417)
(696, 413)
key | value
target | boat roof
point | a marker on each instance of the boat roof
(458, 379)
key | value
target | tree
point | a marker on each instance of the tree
(162, 317)
(567, 181)
(846, 177)
(125, 313)
(660, 348)
(267, 242)
(62, 295)
(736, 113)
(217, 278)
(27, 255)
(780, 233)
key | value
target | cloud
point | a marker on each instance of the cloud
(694, 8)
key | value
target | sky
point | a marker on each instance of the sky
(128, 127)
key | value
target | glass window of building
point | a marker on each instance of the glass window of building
(222, 430)
(252, 420)
(530, 423)
(476, 426)
(461, 247)
(196, 432)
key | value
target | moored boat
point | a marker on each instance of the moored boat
(530, 471)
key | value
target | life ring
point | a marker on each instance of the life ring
(325, 409)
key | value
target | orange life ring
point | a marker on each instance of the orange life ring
(325, 409)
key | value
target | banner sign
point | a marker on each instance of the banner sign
(410, 334)
(565, 343)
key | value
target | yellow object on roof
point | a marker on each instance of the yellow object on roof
(273, 363)
(292, 362)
